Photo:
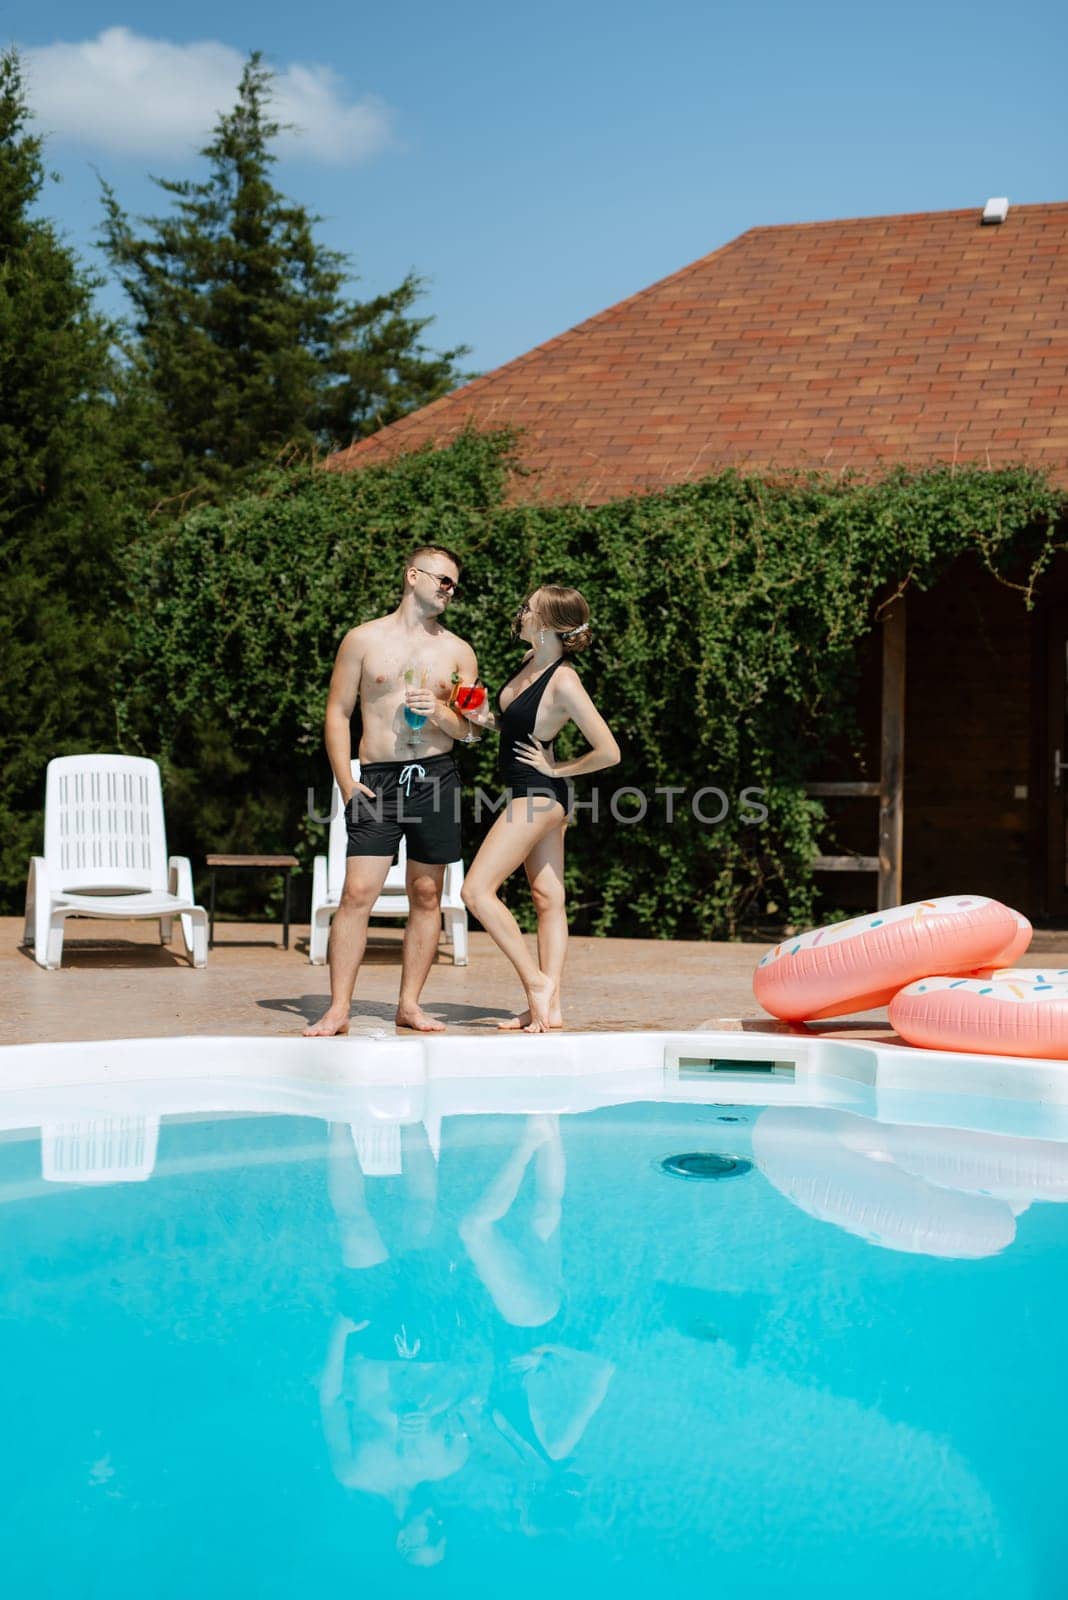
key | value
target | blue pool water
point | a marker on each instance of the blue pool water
(532, 1363)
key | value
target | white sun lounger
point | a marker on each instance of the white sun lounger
(101, 1149)
(105, 855)
(328, 879)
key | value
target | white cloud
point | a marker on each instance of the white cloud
(139, 96)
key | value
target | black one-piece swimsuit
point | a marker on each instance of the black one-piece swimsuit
(517, 727)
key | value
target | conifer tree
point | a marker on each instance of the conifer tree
(243, 336)
(61, 514)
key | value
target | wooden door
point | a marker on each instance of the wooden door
(1053, 766)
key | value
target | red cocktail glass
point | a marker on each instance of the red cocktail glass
(469, 696)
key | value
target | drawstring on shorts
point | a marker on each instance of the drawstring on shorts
(413, 770)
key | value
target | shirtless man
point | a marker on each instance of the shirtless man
(409, 785)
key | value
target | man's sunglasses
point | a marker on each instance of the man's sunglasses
(442, 579)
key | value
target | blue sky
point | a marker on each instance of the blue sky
(537, 163)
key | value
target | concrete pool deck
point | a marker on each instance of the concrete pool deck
(117, 982)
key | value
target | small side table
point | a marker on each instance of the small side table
(282, 864)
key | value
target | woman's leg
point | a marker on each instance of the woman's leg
(523, 1278)
(513, 836)
(545, 874)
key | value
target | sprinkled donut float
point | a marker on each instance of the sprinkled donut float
(934, 1191)
(861, 964)
(839, 1171)
(1009, 1012)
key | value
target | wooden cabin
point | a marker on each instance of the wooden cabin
(852, 345)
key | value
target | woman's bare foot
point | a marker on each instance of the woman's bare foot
(329, 1024)
(515, 1024)
(415, 1017)
(540, 1002)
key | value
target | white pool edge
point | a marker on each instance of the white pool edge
(401, 1078)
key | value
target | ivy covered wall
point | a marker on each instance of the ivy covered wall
(728, 616)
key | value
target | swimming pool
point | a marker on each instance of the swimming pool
(427, 1321)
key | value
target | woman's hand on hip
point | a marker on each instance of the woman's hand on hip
(533, 754)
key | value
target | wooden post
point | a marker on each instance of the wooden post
(892, 780)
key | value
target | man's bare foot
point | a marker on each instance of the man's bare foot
(415, 1017)
(515, 1024)
(330, 1023)
(540, 1001)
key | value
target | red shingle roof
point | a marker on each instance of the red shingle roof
(852, 344)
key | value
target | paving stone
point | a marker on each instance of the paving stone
(118, 982)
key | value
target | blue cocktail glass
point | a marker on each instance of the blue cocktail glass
(414, 719)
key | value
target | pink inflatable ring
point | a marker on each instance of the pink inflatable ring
(1013, 1012)
(860, 964)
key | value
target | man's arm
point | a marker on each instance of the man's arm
(340, 704)
(335, 1417)
(442, 716)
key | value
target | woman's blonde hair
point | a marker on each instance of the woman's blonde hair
(566, 613)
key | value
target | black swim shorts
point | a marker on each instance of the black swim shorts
(417, 801)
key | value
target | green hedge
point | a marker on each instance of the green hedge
(728, 615)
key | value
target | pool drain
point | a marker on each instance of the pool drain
(702, 1164)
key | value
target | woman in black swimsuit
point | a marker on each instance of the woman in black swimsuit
(543, 696)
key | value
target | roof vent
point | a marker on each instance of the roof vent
(996, 210)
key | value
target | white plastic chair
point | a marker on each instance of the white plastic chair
(378, 1147)
(99, 1150)
(378, 1144)
(105, 855)
(328, 879)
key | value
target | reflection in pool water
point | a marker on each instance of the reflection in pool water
(412, 1393)
(936, 1192)
(303, 1357)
